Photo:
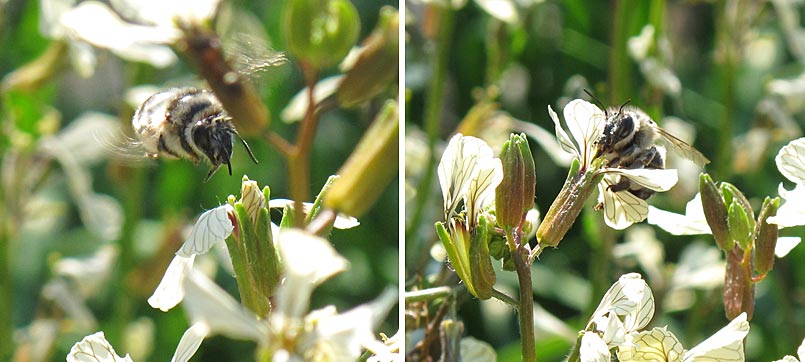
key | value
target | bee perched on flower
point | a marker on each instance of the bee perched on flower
(620, 150)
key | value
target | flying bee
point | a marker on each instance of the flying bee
(187, 123)
(629, 141)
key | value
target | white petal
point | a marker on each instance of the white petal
(692, 223)
(586, 123)
(724, 345)
(308, 260)
(657, 180)
(207, 303)
(655, 345)
(593, 348)
(191, 340)
(482, 187)
(791, 161)
(170, 290)
(785, 244)
(801, 351)
(787, 359)
(95, 348)
(564, 140)
(166, 12)
(621, 209)
(460, 163)
(631, 298)
(792, 211)
(213, 226)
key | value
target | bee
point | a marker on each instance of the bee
(188, 123)
(629, 141)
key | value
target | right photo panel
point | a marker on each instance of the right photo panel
(604, 180)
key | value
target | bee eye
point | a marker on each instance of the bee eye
(626, 126)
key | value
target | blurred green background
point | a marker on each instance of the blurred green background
(42, 222)
(730, 70)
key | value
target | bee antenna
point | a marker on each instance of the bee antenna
(598, 102)
(624, 105)
(248, 149)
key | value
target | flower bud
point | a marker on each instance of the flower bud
(320, 32)
(376, 66)
(738, 222)
(715, 212)
(731, 193)
(252, 198)
(514, 195)
(766, 237)
(739, 290)
(483, 275)
(370, 168)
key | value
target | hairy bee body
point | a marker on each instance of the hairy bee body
(629, 141)
(187, 123)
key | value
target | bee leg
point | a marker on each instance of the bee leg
(642, 193)
(621, 185)
(213, 170)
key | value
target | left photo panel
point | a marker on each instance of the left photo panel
(207, 180)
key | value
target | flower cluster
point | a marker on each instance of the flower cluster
(627, 308)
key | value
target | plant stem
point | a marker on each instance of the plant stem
(526, 304)
(433, 108)
(299, 159)
(427, 294)
(505, 299)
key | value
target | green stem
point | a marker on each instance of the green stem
(433, 108)
(723, 162)
(427, 294)
(6, 287)
(299, 160)
(526, 303)
(505, 298)
(620, 74)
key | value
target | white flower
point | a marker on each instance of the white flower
(468, 172)
(791, 163)
(586, 124)
(213, 226)
(289, 333)
(95, 348)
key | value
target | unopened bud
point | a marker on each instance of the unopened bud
(515, 194)
(739, 224)
(766, 237)
(252, 198)
(715, 212)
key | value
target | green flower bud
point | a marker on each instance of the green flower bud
(376, 67)
(715, 211)
(370, 168)
(739, 290)
(515, 194)
(766, 237)
(739, 224)
(320, 32)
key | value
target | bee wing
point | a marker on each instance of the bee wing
(245, 43)
(681, 147)
(123, 148)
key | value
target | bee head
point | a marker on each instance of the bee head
(214, 139)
